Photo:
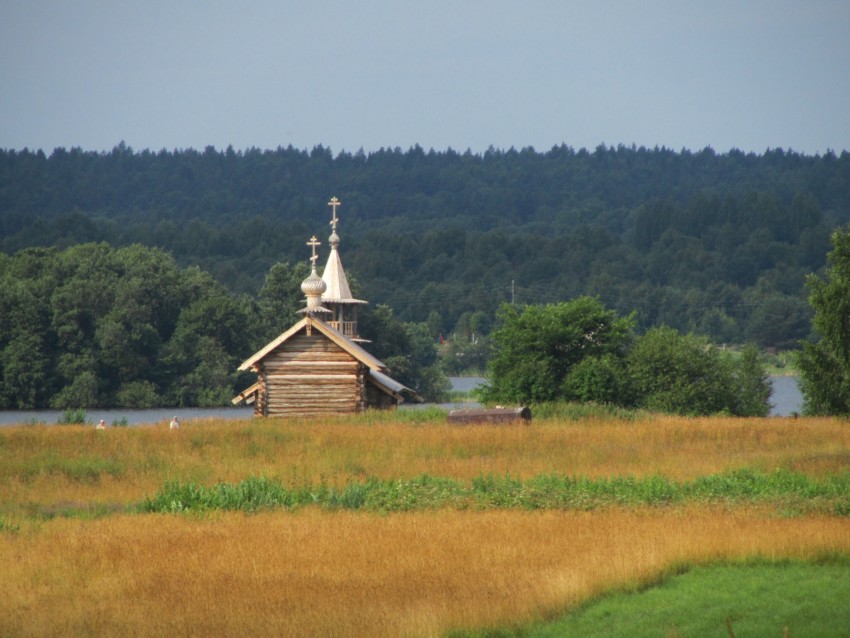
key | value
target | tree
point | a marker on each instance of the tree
(536, 347)
(280, 299)
(599, 380)
(98, 326)
(685, 374)
(407, 349)
(678, 373)
(825, 362)
(753, 384)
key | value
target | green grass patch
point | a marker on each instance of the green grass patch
(7, 527)
(429, 414)
(584, 411)
(773, 600)
(72, 416)
(791, 493)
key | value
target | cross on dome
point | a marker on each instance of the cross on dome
(333, 204)
(314, 243)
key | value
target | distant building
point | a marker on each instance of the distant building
(317, 366)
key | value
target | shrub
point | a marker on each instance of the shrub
(537, 347)
(599, 380)
(72, 416)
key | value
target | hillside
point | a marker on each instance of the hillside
(715, 243)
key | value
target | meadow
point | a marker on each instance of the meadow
(379, 526)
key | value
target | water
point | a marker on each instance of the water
(466, 384)
(155, 416)
(786, 399)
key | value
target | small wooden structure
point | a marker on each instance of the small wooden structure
(313, 369)
(491, 415)
(317, 367)
(337, 297)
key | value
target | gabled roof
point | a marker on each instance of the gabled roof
(337, 337)
(336, 281)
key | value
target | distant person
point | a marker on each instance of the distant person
(101, 425)
(174, 425)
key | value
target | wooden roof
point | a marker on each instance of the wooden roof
(337, 337)
(334, 277)
(391, 386)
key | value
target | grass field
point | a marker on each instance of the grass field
(398, 528)
(785, 599)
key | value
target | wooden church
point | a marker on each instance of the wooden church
(318, 367)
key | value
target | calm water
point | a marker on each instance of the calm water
(786, 398)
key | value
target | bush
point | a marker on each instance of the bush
(599, 380)
(537, 347)
(72, 416)
(684, 374)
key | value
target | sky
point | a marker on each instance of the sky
(460, 74)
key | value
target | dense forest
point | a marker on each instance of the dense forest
(96, 326)
(718, 244)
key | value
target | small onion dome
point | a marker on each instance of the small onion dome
(334, 239)
(313, 286)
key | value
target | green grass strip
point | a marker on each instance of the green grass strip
(791, 492)
(772, 600)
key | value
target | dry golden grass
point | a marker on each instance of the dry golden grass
(46, 466)
(354, 574)
(345, 574)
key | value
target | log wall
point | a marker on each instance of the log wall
(311, 375)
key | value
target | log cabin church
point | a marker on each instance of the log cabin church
(318, 366)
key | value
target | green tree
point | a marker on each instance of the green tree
(599, 379)
(685, 374)
(825, 363)
(536, 347)
(280, 299)
(753, 387)
(681, 374)
(461, 355)
(208, 340)
(26, 343)
(98, 326)
(407, 349)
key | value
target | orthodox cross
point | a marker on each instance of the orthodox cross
(333, 204)
(314, 242)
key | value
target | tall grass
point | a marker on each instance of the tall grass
(378, 526)
(44, 465)
(311, 573)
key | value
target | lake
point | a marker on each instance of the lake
(786, 400)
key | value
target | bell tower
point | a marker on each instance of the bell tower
(337, 296)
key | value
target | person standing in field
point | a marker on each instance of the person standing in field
(101, 425)
(174, 425)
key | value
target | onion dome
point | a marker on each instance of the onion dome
(313, 286)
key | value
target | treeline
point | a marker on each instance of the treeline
(94, 326)
(717, 244)
(581, 352)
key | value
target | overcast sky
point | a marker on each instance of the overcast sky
(747, 74)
